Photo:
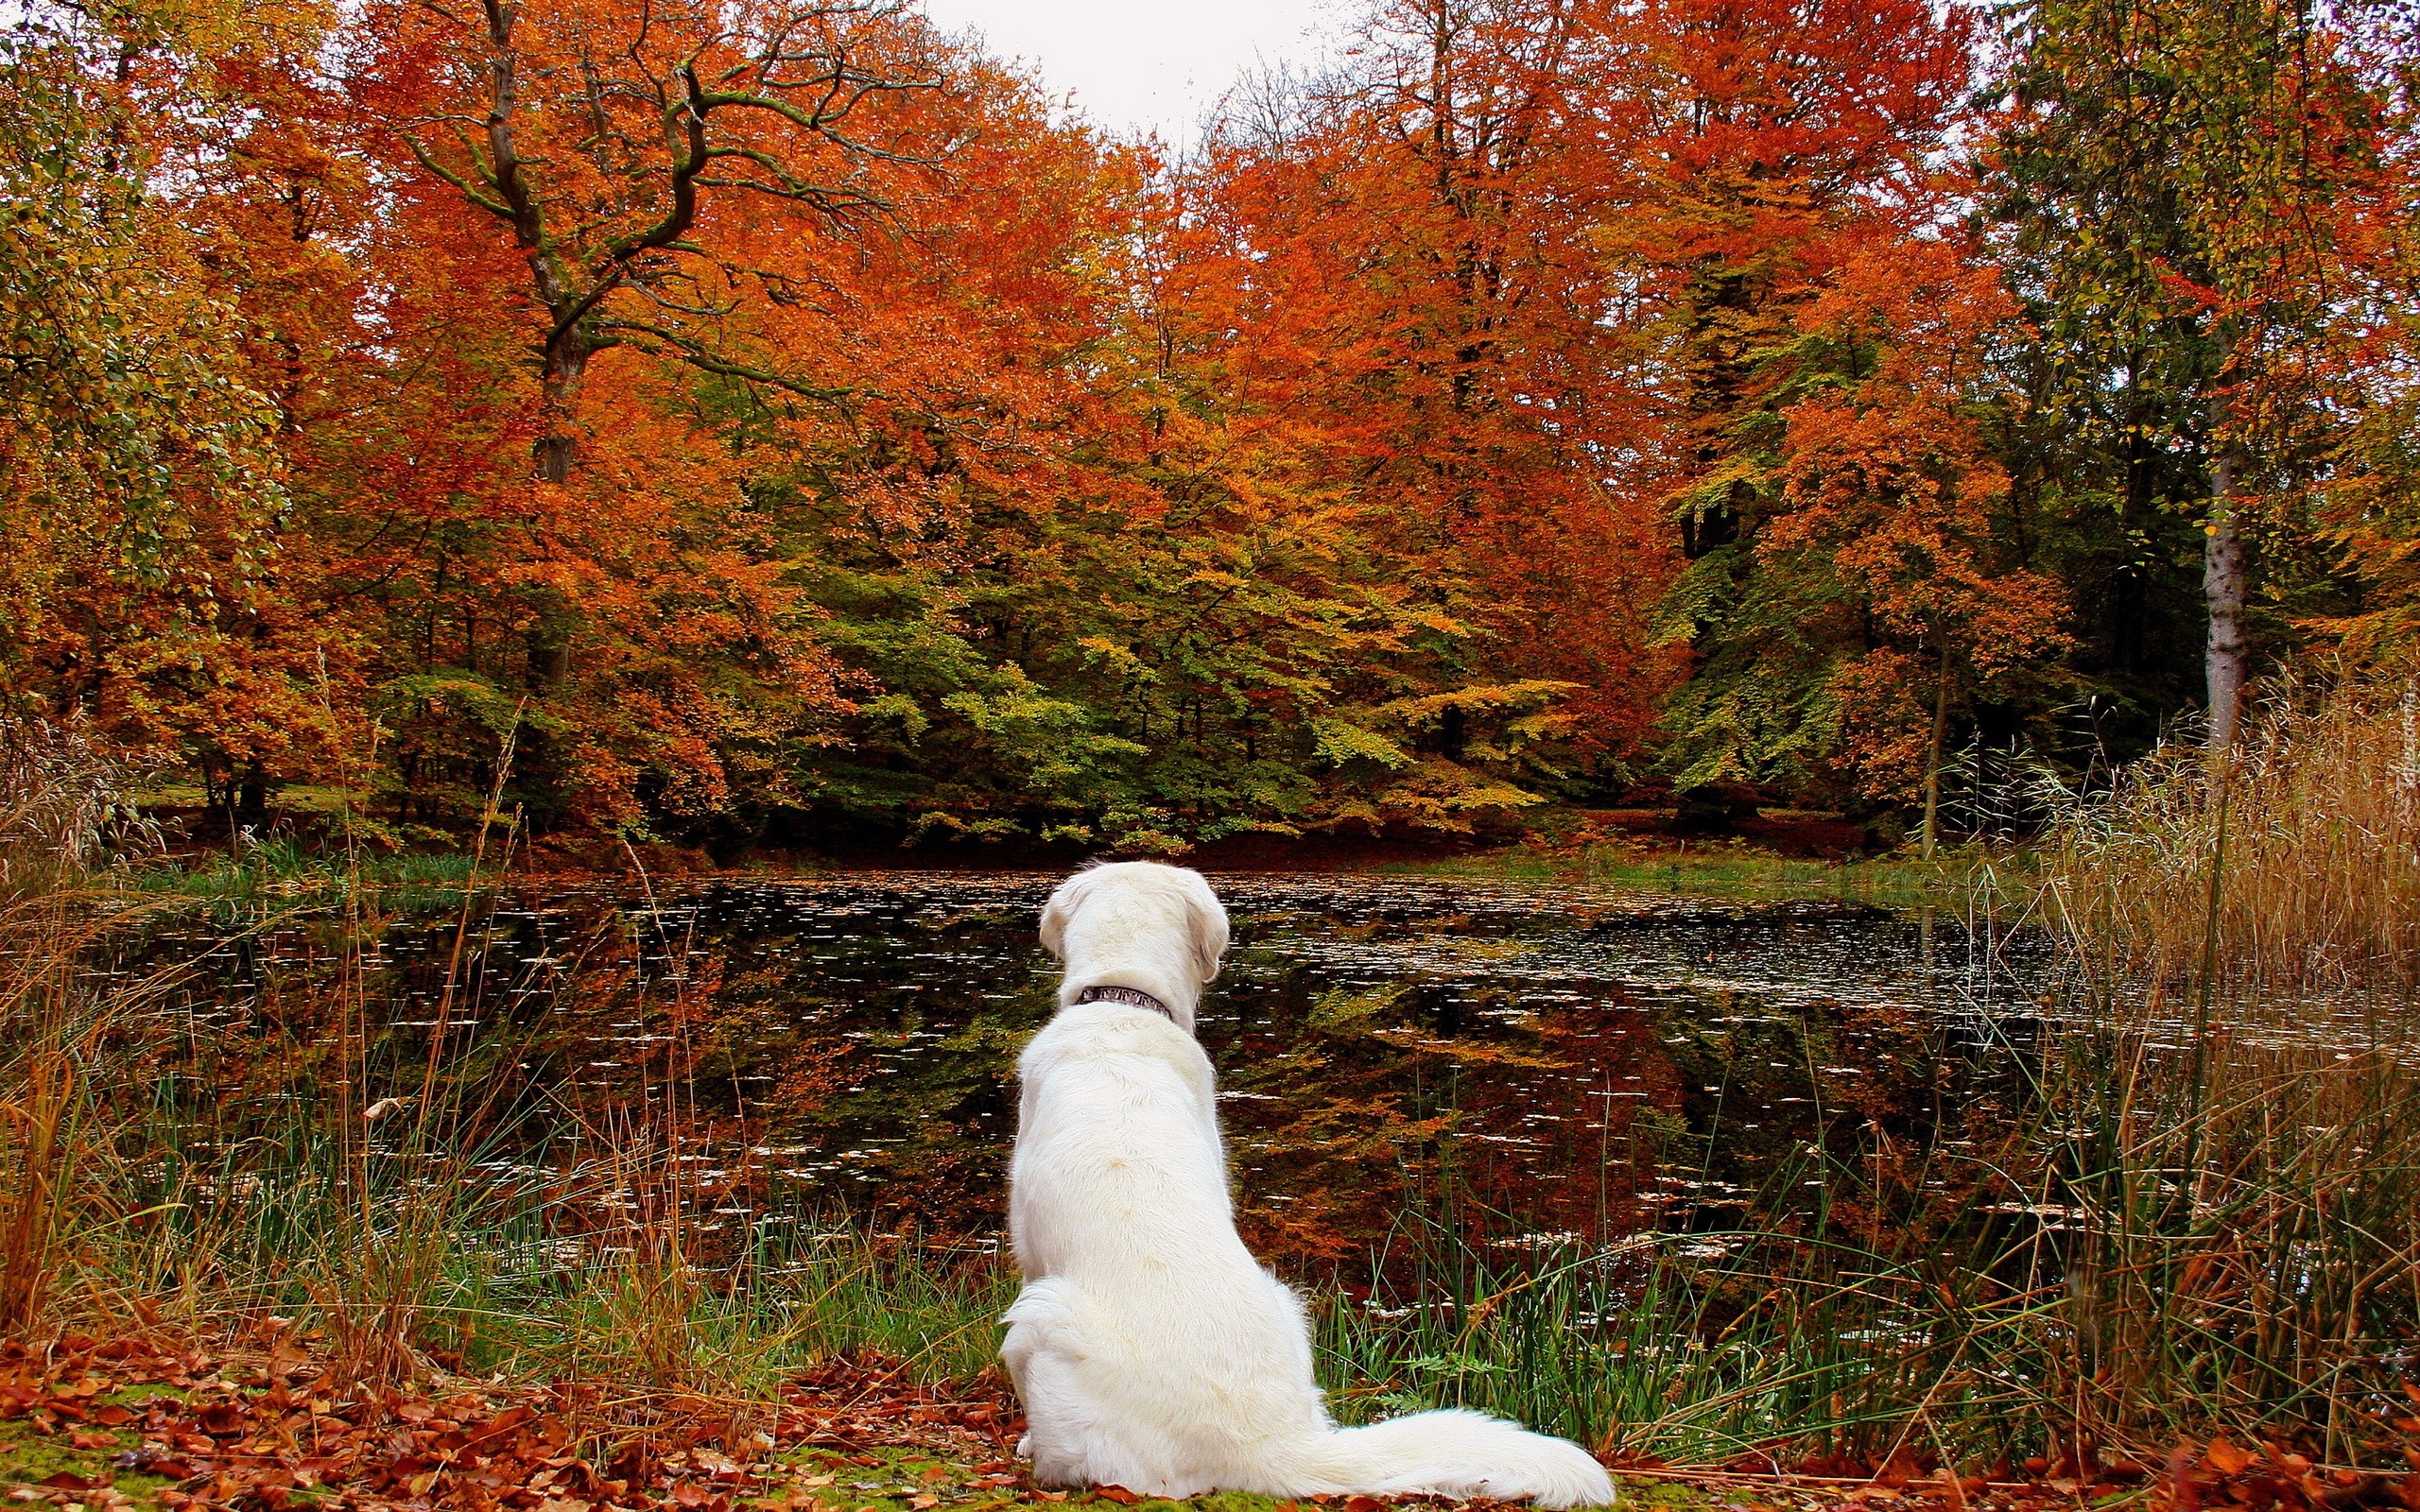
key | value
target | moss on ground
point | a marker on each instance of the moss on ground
(888, 1479)
(29, 1458)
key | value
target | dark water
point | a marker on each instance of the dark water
(1522, 1060)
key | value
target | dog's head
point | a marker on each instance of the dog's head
(1142, 893)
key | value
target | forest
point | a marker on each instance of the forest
(776, 419)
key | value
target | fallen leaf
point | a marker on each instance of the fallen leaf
(2226, 1458)
(1118, 1494)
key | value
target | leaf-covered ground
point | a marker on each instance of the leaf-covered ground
(142, 1422)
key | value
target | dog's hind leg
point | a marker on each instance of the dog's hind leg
(1044, 1354)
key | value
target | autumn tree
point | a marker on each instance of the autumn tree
(1381, 284)
(2177, 177)
(671, 196)
(601, 138)
(1776, 144)
(1894, 492)
(141, 485)
(1766, 139)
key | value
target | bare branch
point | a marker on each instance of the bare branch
(693, 352)
(463, 185)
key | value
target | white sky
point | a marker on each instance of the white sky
(1136, 66)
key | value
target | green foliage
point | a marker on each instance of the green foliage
(1758, 708)
(2188, 198)
(124, 413)
(1149, 683)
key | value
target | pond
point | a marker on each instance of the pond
(1528, 1062)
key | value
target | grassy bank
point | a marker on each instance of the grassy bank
(1737, 869)
(2062, 1294)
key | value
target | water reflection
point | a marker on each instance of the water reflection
(1520, 1060)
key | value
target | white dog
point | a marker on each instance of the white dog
(1151, 1349)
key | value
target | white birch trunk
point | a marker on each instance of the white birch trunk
(2222, 591)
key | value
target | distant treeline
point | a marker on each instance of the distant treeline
(699, 417)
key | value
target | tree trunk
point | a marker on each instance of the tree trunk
(251, 795)
(2222, 590)
(1932, 763)
(558, 442)
(567, 364)
(549, 653)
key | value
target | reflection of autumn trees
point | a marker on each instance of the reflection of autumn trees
(1354, 1118)
(845, 1050)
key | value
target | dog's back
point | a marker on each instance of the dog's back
(1117, 1156)
(1147, 1339)
(1149, 1348)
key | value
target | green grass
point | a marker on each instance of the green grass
(805, 1293)
(283, 871)
(900, 1475)
(1739, 870)
(299, 799)
(447, 1263)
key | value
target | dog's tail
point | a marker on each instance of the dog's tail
(1461, 1453)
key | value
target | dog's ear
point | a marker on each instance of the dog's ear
(1209, 923)
(1055, 914)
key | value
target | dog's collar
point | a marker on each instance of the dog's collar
(1126, 994)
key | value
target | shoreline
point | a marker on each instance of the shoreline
(1792, 856)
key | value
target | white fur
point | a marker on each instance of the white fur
(1151, 1349)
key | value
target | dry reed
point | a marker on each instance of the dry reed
(2309, 828)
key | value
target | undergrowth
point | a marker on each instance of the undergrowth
(2310, 828)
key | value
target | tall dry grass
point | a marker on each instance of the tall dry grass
(68, 816)
(2292, 865)
(381, 1188)
(67, 804)
(2142, 1246)
(2198, 1213)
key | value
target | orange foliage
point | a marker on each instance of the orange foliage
(778, 419)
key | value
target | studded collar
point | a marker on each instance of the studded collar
(1134, 996)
